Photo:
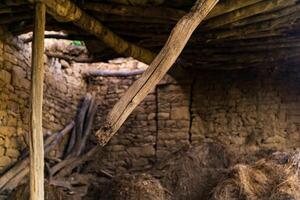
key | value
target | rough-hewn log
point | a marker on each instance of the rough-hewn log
(80, 122)
(106, 73)
(69, 58)
(23, 165)
(65, 10)
(228, 6)
(36, 143)
(136, 11)
(243, 13)
(155, 72)
(67, 165)
(88, 124)
(164, 13)
(267, 16)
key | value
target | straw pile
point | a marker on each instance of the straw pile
(133, 187)
(51, 193)
(275, 178)
(191, 173)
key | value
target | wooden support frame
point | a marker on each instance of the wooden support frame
(155, 72)
(37, 79)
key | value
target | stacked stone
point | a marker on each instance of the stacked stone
(63, 92)
(249, 109)
(173, 118)
(134, 145)
(13, 99)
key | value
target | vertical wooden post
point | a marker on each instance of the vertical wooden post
(37, 79)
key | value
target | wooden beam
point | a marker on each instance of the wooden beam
(229, 6)
(260, 7)
(266, 16)
(155, 72)
(139, 2)
(109, 73)
(37, 78)
(164, 13)
(279, 25)
(66, 11)
(136, 11)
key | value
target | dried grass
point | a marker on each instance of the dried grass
(133, 187)
(191, 173)
(274, 178)
(51, 193)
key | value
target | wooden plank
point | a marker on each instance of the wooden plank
(155, 72)
(37, 79)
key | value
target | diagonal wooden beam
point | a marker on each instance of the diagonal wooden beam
(67, 11)
(155, 72)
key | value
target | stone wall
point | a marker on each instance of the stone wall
(246, 110)
(134, 144)
(63, 90)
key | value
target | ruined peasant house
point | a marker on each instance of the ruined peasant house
(226, 83)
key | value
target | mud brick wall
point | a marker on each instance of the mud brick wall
(63, 90)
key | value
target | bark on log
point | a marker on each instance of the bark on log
(155, 72)
(37, 76)
(66, 11)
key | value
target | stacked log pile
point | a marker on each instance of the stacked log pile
(64, 171)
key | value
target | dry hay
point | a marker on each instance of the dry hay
(191, 173)
(133, 187)
(274, 178)
(51, 193)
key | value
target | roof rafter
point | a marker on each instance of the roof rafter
(67, 11)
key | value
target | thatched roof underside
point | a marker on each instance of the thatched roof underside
(236, 34)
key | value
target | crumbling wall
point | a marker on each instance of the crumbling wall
(63, 90)
(248, 109)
